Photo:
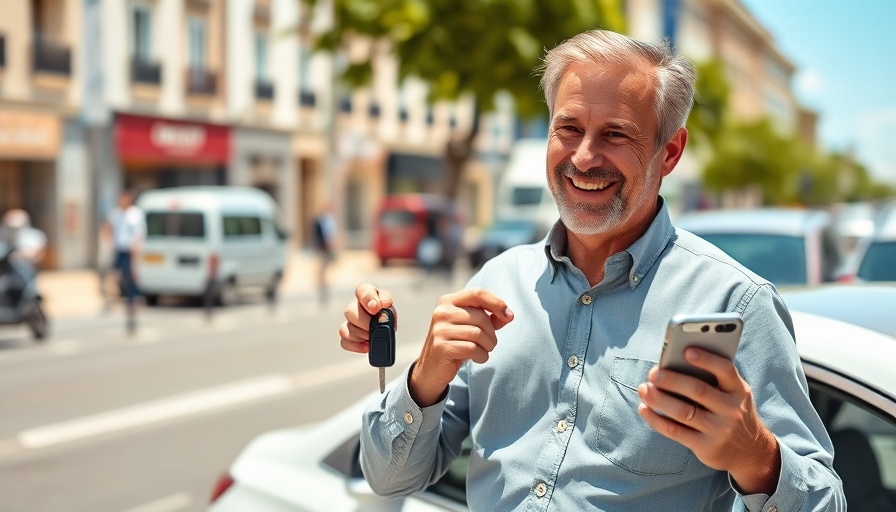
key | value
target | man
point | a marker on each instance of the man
(125, 227)
(25, 246)
(325, 244)
(548, 359)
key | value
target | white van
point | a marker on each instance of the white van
(523, 192)
(217, 240)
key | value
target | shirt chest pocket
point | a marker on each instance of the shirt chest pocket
(623, 437)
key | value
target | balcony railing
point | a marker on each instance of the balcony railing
(145, 71)
(2, 51)
(201, 81)
(264, 90)
(52, 57)
(307, 98)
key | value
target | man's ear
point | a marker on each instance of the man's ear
(673, 150)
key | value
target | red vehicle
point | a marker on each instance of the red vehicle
(404, 220)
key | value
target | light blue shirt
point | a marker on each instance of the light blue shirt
(553, 413)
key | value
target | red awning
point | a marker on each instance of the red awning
(153, 140)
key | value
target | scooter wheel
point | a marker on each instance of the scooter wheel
(38, 323)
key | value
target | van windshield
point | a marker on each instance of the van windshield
(175, 224)
(395, 218)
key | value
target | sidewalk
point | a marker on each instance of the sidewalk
(74, 293)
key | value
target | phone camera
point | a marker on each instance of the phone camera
(725, 327)
(705, 328)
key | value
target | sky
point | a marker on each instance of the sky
(845, 54)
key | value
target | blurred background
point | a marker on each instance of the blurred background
(403, 120)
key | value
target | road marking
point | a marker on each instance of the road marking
(191, 403)
(171, 503)
(153, 412)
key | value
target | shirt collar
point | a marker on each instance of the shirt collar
(644, 252)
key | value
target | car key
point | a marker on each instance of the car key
(382, 343)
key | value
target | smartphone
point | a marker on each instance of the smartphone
(718, 333)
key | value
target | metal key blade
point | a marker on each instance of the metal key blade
(382, 380)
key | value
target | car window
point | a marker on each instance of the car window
(175, 224)
(241, 225)
(879, 263)
(864, 448)
(453, 484)
(778, 258)
(393, 218)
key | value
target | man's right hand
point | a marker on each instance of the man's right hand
(463, 327)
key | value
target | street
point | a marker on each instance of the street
(94, 420)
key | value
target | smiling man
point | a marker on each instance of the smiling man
(547, 360)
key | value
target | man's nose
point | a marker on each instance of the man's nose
(588, 154)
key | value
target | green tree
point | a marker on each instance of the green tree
(460, 48)
(708, 117)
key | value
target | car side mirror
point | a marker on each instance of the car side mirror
(360, 490)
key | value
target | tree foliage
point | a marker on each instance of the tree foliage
(467, 47)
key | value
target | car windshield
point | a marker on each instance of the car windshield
(175, 224)
(778, 258)
(526, 196)
(879, 263)
(394, 218)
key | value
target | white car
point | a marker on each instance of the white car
(875, 257)
(852, 382)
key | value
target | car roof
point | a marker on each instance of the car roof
(857, 353)
(778, 221)
(885, 229)
(212, 196)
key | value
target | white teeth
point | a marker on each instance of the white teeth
(584, 185)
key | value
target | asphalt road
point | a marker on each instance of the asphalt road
(98, 421)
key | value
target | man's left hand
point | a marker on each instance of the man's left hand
(721, 426)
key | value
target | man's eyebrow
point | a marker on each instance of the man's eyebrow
(618, 124)
(564, 118)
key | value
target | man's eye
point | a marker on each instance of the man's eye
(614, 134)
(569, 128)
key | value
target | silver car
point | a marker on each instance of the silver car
(785, 246)
(849, 367)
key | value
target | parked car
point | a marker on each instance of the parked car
(405, 220)
(502, 235)
(853, 221)
(876, 254)
(217, 239)
(849, 369)
(785, 246)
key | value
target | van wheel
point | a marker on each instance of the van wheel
(228, 295)
(38, 323)
(151, 299)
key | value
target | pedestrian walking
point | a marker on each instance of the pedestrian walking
(325, 230)
(124, 231)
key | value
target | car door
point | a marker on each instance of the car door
(862, 424)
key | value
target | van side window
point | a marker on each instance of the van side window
(179, 224)
(241, 226)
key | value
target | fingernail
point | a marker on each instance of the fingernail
(508, 313)
(692, 355)
(371, 304)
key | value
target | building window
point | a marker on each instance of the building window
(142, 32)
(306, 90)
(261, 57)
(196, 32)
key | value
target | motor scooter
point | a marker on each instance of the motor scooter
(20, 304)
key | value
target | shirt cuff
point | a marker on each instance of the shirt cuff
(405, 411)
(789, 494)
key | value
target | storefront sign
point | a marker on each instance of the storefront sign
(29, 136)
(151, 140)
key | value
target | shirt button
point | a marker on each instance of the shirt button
(541, 489)
(586, 299)
(572, 362)
(773, 509)
(562, 426)
(635, 278)
(408, 418)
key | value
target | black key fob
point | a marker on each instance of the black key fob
(382, 339)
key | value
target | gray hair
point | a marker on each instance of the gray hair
(675, 76)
